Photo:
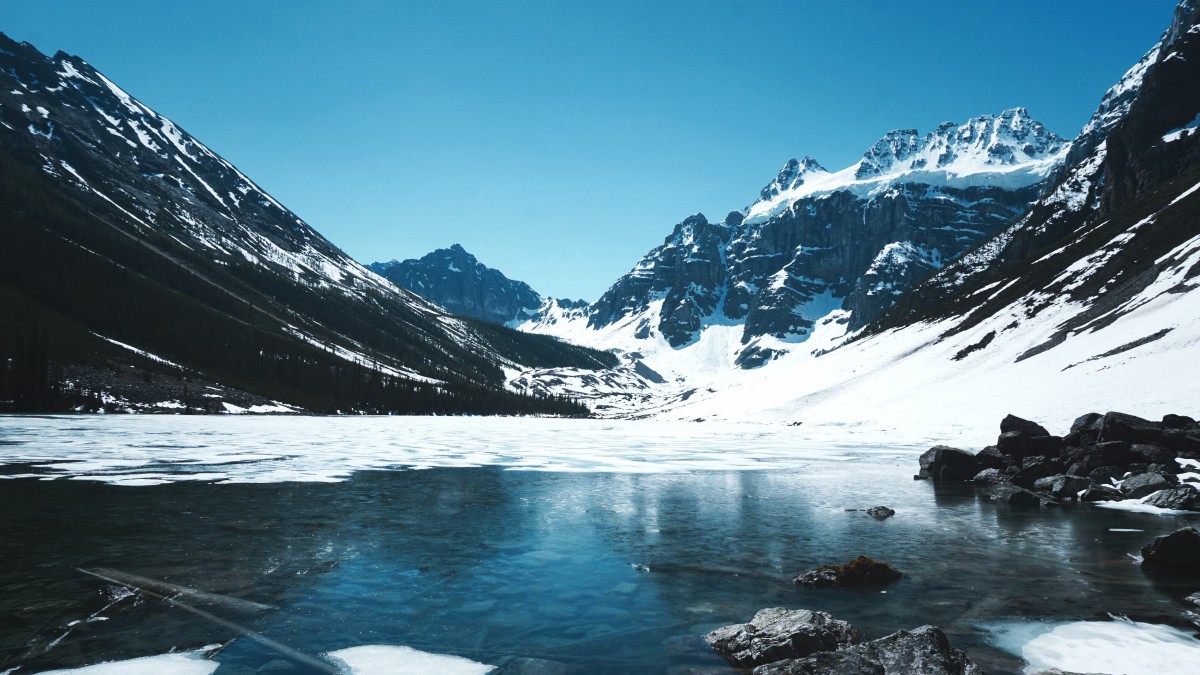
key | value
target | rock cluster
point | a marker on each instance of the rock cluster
(802, 642)
(1104, 457)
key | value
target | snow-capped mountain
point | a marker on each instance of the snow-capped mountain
(817, 241)
(127, 237)
(1078, 289)
(456, 280)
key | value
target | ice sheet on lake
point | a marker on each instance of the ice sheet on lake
(1120, 646)
(180, 663)
(390, 660)
(149, 450)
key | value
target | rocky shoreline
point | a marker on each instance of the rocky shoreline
(1114, 457)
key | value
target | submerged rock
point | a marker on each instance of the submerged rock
(881, 512)
(921, 651)
(862, 571)
(1179, 551)
(776, 633)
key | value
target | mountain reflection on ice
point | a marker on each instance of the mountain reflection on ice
(612, 572)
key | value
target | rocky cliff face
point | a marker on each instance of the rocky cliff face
(456, 280)
(1116, 217)
(857, 239)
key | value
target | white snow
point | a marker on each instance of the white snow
(394, 660)
(1119, 646)
(140, 352)
(179, 663)
(134, 449)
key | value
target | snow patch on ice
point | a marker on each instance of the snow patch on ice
(180, 663)
(1120, 646)
(394, 660)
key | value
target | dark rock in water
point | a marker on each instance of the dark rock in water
(1101, 492)
(1121, 427)
(1142, 484)
(1179, 551)
(1013, 495)
(921, 651)
(1034, 468)
(991, 458)
(860, 572)
(881, 512)
(1182, 498)
(990, 477)
(776, 633)
(943, 463)
(1062, 487)
(1177, 422)
(1014, 423)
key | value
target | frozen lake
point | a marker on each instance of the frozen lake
(609, 547)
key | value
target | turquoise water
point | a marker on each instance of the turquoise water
(609, 572)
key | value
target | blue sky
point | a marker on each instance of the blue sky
(559, 141)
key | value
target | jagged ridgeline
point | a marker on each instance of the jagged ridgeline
(140, 269)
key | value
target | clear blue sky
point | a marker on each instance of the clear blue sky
(561, 140)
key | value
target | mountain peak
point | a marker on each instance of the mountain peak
(791, 176)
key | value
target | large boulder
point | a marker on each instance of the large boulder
(1151, 454)
(991, 458)
(858, 573)
(1014, 423)
(1178, 551)
(990, 477)
(921, 651)
(943, 463)
(1034, 468)
(1085, 429)
(776, 633)
(1177, 422)
(1062, 487)
(1016, 444)
(1121, 427)
(1182, 440)
(1007, 493)
(1142, 484)
(1182, 498)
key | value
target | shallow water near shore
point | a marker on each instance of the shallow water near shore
(577, 562)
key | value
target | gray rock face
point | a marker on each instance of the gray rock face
(776, 633)
(921, 651)
(687, 272)
(456, 280)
